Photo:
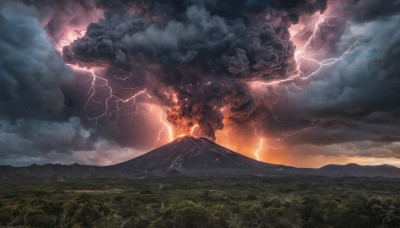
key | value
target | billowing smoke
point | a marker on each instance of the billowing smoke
(279, 77)
(205, 52)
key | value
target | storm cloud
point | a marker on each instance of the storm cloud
(69, 72)
(31, 99)
(31, 71)
(358, 99)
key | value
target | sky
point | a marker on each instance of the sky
(303, 83)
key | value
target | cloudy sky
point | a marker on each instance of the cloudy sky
(303, 83)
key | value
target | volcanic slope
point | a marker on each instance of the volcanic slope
(188, 155)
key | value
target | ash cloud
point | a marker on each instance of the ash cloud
(194, 43)
(207, 43)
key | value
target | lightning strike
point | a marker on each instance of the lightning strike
(300, 56)
(193, 128)
(170, 134)
(112, 103)
(260, 144)
(260, 147)
(159, 134)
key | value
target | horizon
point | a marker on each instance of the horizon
(299, 83)
(181, 137)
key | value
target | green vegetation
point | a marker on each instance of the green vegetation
(280, 201)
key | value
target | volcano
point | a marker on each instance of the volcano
(188, 155)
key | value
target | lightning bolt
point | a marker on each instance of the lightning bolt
(260, 147)
(262, 140)
(193, 128)
(170, 133)
(159, 136)
(159, 133)
(112, 103)
(260, 144)
(300, 55)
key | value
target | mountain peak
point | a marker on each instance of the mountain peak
(188, 155)
(193, 140)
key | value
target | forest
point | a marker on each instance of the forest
(204, 201)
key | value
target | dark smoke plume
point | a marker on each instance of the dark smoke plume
(206, 51)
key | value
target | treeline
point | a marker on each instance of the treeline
(206, 210)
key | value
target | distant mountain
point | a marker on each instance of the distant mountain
(56, 171)
(188, 156)
(359, 171)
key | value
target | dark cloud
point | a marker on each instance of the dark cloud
(42, 141)
(38, 137)
(31, 100)
(369, 10)
(103, 43)
(31, 72)
(200, 40)
(228, 9)
(358, 99)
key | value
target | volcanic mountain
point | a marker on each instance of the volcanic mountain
(188, 155)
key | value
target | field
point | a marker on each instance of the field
(274, 201)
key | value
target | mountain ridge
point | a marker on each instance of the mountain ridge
(189, 156)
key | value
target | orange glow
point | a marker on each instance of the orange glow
(275, 151)
(175, 98)
(243, 142)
